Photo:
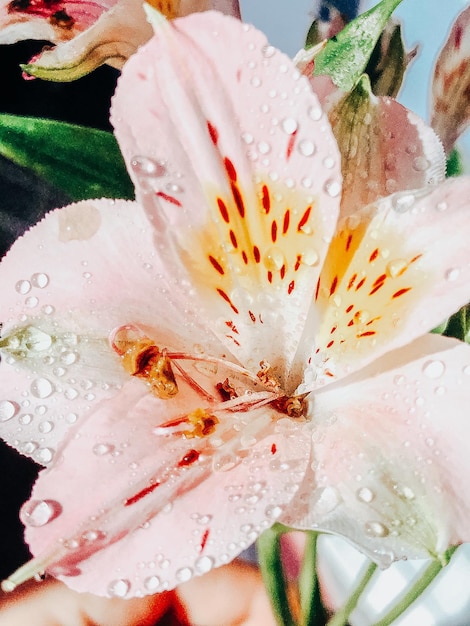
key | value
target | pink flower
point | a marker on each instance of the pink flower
(88, 32)
(228, 350)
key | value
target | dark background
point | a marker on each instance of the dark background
(24, 199)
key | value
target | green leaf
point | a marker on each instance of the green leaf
(458, 325)
(454, 164)
(83, 162)
(346, 55)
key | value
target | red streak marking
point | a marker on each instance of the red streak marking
(216, 265)
(328, 345)
(230, 169)
(334, 284)
(400, 292)
(380, 279)
(304, 218)
(213, 132)
(352, 281)
(189, 458)
(374, 319)
(256, 254)
(333, 330)
(376, 288)
(297, 262)
(270, 277)
(351, 323)
(360, 283)
(204, 540)
(350, 308)
(232, 326)
(291, 286)
(374, 255)
(367, 333)
(285, 225)
(266, 200)
(273, 449)
(233, 239)
(317, 289)
(274, 231)
(415, 258)
(168, 198)
(290, 144)
(252, 316)
(223, 210)
(458, 37)
(282, 272)
(141, 494)
(222, 293)
(330, 374)
(244, 257)
(348, 242)
(237, 196)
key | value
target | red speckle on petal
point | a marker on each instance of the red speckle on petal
(352, 281)
(291, 286)
(285, 224)
(351, 323)
(400, 292)
(350, 308)
(204, 538)
(367, 333)
(374, 255)
(348, 241)
(168, 198)
(216, 265)
(291, 144)
(297, 262)
(237, 196)
(141, 494)
(223, 295)
(274, 231)
(334, 284)
(273, 448)
(233, 239)
(304, 218)
(230, 169)
(223, 210)
(189, 458)
(330, 344)
(282, 272)
(252, 316)
(256, 254)
(244, 257)
(213, 132)
(266, 200)
(333, 330)
(232, 326)
(317, 290)
(360, 283)
(270, 277)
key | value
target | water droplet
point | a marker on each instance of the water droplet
(23, 287)
(466, 370)
(42, 388)
(29, 447)
(315, 113)
(40, 280)
(403, 202)
(184, 574)
(364, 494)
(434, 369)
(40, 512)
(452, 274)
(71, 393)
(8, 409)
(420, 164)
(100, 449)
(225, 462)
(48, 309)
(396, 267)
(273, 511)
(46, 427)
(264, 147)
(119, 588)
(399, 379)
(376, 529)
(248, 138)
(332, 188)
(152, 584)
(59, 371)
(25, 419)
(289, 125)
(255, 81)
(31, 302)
(145, 167)
(69, 358)
(204, 564)
(274, 259)
(44, 455)
(268, 51)
(441, 206)
(306, 147)
(329, 162)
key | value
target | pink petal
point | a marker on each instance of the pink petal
(162, 508)
(394, 271)
(451, 84)
(80, 273)
(384, 148)
(391, 454)
(239, 173)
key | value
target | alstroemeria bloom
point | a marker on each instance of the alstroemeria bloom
(247, 355)
(89, 33)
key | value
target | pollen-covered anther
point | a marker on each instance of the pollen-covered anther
(291, 406)
(202, 422)
(141, 358)
(267, 377)
(226, 390)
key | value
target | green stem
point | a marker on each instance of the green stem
(416, 590)
(313, 612)
(270, 562)
(341, 618)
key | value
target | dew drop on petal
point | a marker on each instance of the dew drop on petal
(25, 419)
(40, 280)
(40, 512)
(184, 574)
(403, 202)
(119, 588)
(306, 147)
(268, 51)
(452, 274)
(332, 188)
(44, 455)
(152, 584)
(69, 358)
(289, 125)
(204, 564)
(143, 166)
(273, 511)
(466, 370)
(433, 369)
(396, 267)
(23, 287)
(364, 494)
(31, 302)
(315, 113)
(45, 427)
(100, 449)
(42, 388)
(225, 462)
(376, 529)
(274, 259)
(8, 409)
